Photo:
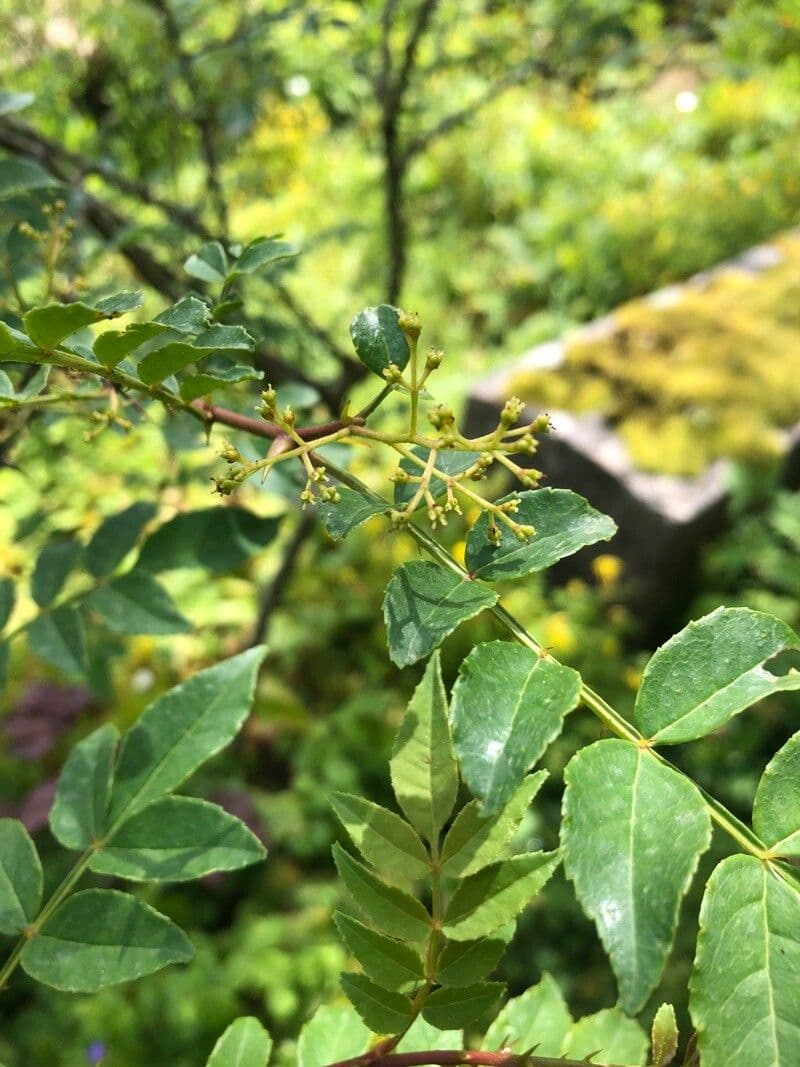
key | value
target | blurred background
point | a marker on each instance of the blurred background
(513, 171)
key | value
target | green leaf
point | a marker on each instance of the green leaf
(37, 382)
(423, 768)
(209, 263)
(13, 102)
(20, 878)
(119, 303)
(333, 1033)
(4, 658)
(539, 1019)
(99, 938)
(219, 539)
(474, 841)
(388, 962)
(664, 1036)
(115, 537)
(384, 1011)
(498, 740)
(378, 339)
(496, 894)
(189, 315)
(196, 385)
(174, 356)
(135, 603)
(447, 461)
(709, 672)
(58, 638)
(14, 345)
(383, 838)
(388, 909)
(776, 809)
(461, 963)
(8, 596)
(261, 253)
(424, 603)
(78, 814)
(422, 1035)
(48, 326)
(182, 729)
(55, 561)
(178, 839)
(6, 387)
(219, 338)
(610, 1035)
(350, 511)
(22, 175)
(461, 1007)
(112, 346)
(743, 992)
(632, 833)
(564, 523)
(244, 1044)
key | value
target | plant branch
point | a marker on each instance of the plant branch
(454, 1058)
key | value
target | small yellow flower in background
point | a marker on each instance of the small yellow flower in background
(458, 551)
(607, 569)
(633, 678)
(576, 586)
(609, 645)
(559, 635)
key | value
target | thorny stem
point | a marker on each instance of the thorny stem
(377, 1057)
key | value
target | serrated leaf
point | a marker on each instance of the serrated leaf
(53, 566)
(386, 961)
(496, 894)
(261, 253)
(423, 768)
(382, 837)
(20, 878)
(8, 596)
(388, 909)
(48, 326)
(135, 603)
(384, 1011)
(461, 1007)
(182, 729)
(209, 263)
(632, 834)
(197, 385)
(178, 839)
(462, 963)
(709, 672)
(58, 638)
(475, 840)
(332, 1034)
(112, 346)
(564, 523)
(508, 705)
(15, 345)
(188, 315)
(115, 537)
(119, 303)
(424, 603)
(78, 815)
(101, 937)
(378, 339)
(447, 461)
(664, 1036)
(173, 357)
(776, 808)
(612, 1036)
(244, 1044)
(219, 539)
(539, 1019)
(743, 992)
(349, 512)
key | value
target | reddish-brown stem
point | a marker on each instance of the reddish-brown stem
(376, 1057)
(260, 428)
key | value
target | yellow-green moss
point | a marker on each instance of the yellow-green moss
(715, 374)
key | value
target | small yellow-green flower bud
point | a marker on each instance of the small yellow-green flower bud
(410, 323)
(434, 359)
(393, 374)
(288, 416)
(541, 424)
(512, 409)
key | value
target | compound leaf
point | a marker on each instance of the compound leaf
(20, 878)
(384, 1011)
(383, 838)
(78, 815)
(244, 1044)
(446, 1008)
(776, 809)
(135, 603)
(496, 894)
(386, 961)
(390, 910)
